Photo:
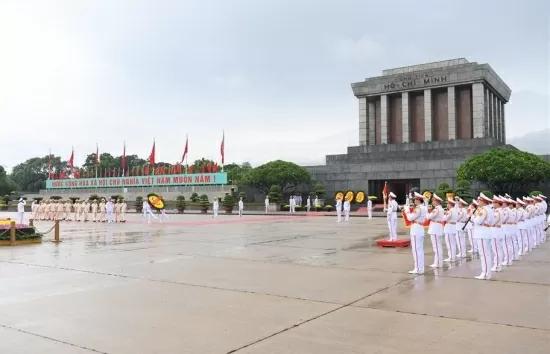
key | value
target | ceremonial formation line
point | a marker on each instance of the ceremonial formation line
(500, 230)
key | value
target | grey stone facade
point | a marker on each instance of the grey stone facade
(430, 162)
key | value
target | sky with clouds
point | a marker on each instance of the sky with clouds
(274, 74)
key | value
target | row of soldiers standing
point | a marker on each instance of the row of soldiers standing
(499, 229)
(79, 210)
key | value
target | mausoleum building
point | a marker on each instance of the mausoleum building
(417, 125)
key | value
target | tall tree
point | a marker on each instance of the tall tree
(235, 172)
(286, 175)
(30, 175)
(199, 164)
(6, 184)
(505, 170)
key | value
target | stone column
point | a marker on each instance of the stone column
(503, 122)
(428, 115)
(478, 110)
(363, 130)
(490, 113)
(406, 117)
(371, 124)
(496, 117)
(451, 112)
(384, 119)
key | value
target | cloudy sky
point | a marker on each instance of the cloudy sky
(274, 74)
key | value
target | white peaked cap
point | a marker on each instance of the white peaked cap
(542, 196)
(391, 195)
(418, 196)
(485, 198)
(450, 200)
(520, 201)
(462, 201)
(474, 202)
(507, 195)
(435, 196)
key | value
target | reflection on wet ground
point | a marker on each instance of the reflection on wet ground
(260, 284)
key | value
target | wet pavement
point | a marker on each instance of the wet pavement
(260, 284)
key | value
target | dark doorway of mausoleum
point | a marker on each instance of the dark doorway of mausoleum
(399, 187)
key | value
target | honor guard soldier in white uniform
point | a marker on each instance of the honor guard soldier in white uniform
(435, 230)
(77, 210)
(523, 239)
(21, 210)
(498, 235)
(241, 207)
(417, 217)
(215, 207)
(110, 210)
(60, 210)
(392, 216)
(315, 203)
(102, 211)
(508, 222)
(528, 223)
(539, 219)
(461, 228)
(483, 222)
(470, 227)
(94, 211)
(266, 203)
(338, 209)
(347, 208)
(67, 209)
(117, 210)
(123, 208)
(292, 203)
(450, 217)
(85, 210)
(308, 204)
(34, 209)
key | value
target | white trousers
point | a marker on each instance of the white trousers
(21, 216)
(417, 248)
(473, 242)
(215, 211)
(515, 245)
(369, 213)
(450, 243)
(339, 214)
(484, 249)
(461, 243)
(110, 216)
(508, 251)
(496, 248)
(392, 226)
(240, 212)
(437, 247)
(346, 215)
(149, 213)
(266, 208)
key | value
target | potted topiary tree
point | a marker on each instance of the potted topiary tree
(139, 204)
(242, 195)
(228, 203)
(320, 192)
(180, 203)
(204, 203)
(194, 197)
(275, 197)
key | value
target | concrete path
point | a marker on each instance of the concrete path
(260, 284)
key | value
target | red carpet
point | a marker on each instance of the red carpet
(394, 244)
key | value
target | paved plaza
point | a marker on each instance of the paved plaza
(261, 285)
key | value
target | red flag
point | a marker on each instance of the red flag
(124, 158)
(146, 170)
(179, 169)
(190, 169)
(185, 150)
(152, 155)
(209, 167)
(222, 148)
(96, 155)
(215, 167)
(71, 160)
(203, 169)
(385, 190)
